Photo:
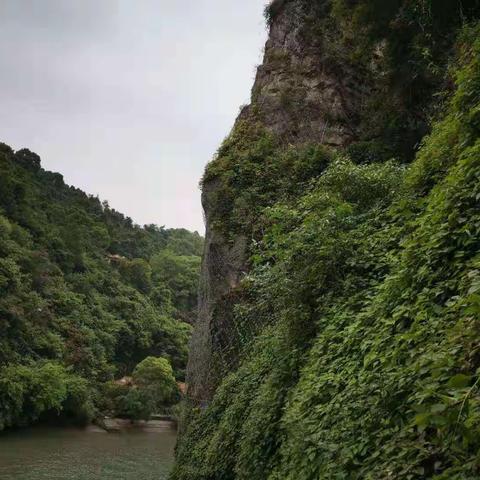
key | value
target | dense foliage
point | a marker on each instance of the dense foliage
(85, 294)
(151, 388)
(358, 325)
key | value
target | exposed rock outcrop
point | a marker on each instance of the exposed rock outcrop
(223, 266)
(300, 94)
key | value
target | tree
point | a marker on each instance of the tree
(154, 375)
(151, 387)
(180, 274)
(138, 273)
(137, 404)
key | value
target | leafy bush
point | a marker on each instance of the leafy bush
(249, 175)
(28, 392)
(272, 9)
(156, 376)
(151, 388)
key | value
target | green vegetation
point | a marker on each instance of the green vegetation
(85, 295)
(251, 170)
(357, 327)
(152, 387)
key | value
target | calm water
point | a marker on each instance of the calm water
(69, 454)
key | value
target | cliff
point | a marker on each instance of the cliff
(338, 306)
(312, 88)
(299, 96)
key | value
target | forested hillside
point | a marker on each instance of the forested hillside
(343, 214)
(85, 295)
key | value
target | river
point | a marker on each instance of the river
(45, 453)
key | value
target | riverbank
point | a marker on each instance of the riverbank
(158, 423)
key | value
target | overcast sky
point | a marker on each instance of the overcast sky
(128, 99)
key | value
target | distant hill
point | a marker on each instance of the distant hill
(85, 294)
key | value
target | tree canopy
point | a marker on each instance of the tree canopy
(83, 296)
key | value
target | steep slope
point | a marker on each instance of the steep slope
(357, 76)
(85, 295)
(298, 96)
(339, 308)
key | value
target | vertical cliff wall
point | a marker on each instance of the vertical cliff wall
(339, 324)
(301, 94)
(326, 80)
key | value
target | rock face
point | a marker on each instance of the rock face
(300, 94)
(222, 269)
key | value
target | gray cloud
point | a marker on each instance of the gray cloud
(128, 99)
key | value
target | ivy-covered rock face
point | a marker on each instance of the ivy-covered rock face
(360, 77)
(347, 347)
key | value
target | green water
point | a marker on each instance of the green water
(71, 454)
